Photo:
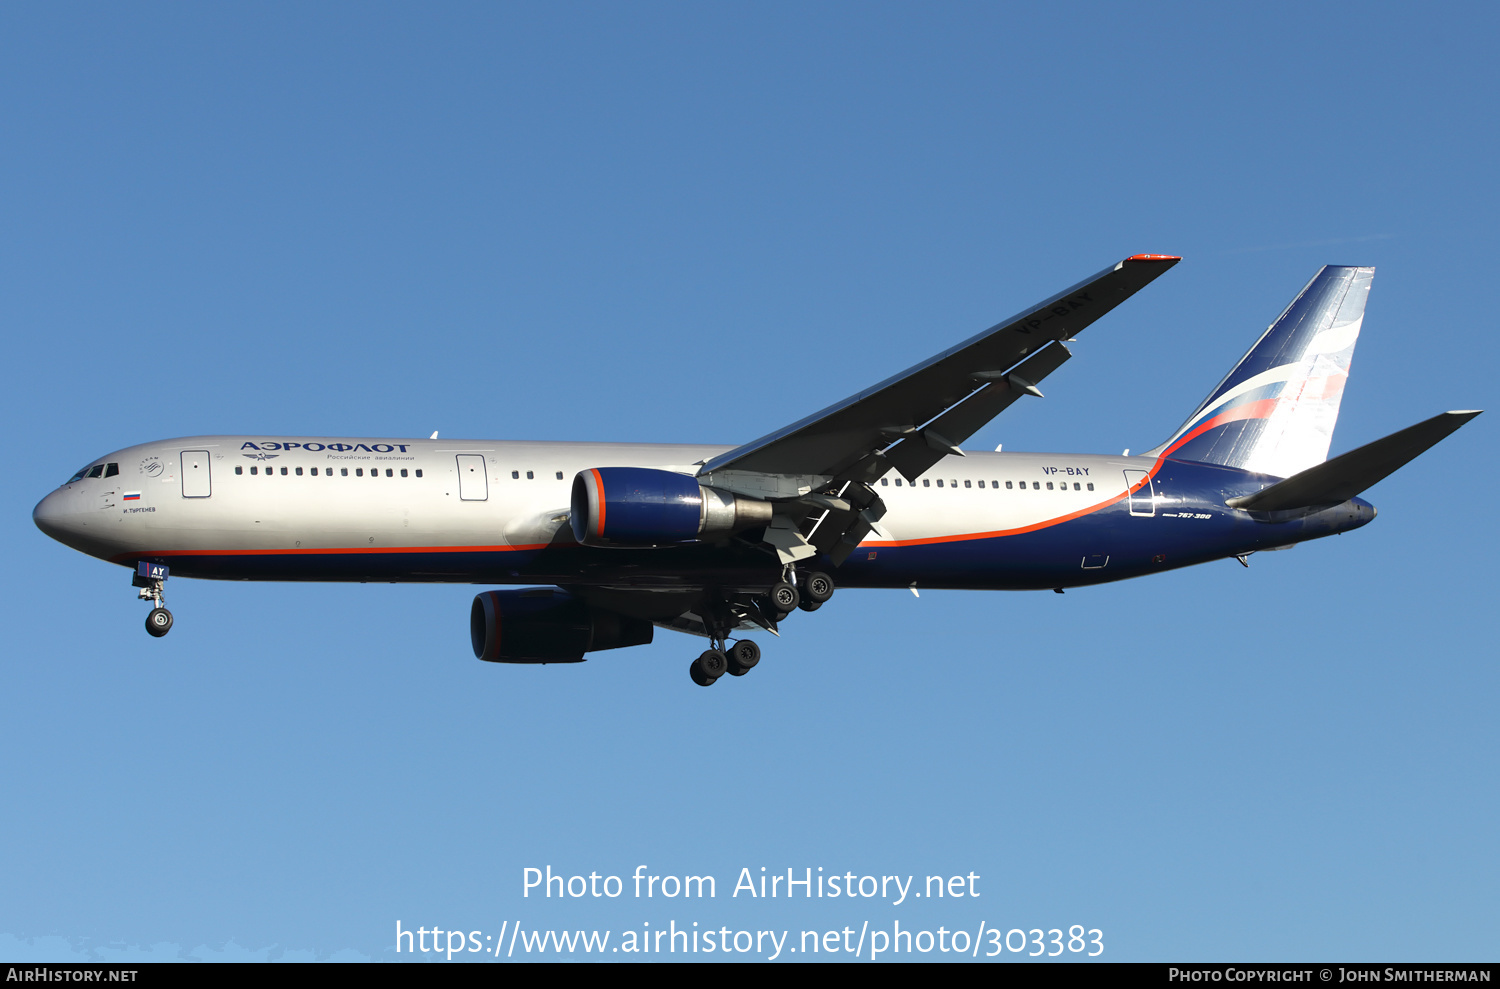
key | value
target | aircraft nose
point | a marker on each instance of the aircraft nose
(53, 514)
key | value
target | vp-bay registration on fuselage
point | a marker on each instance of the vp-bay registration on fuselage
(874, 491)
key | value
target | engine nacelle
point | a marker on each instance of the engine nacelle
(547, 625)
(642, 506)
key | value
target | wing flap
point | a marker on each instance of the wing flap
(940, 437)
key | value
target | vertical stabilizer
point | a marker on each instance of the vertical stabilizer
(1275, 412)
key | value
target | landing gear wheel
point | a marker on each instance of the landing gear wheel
(743, 657)
(784, 597)
(708, 667)
(817, 587)
(810, 605)
(159, 622)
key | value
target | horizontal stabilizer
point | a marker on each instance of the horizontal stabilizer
(1336, 481)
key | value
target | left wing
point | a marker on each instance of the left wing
(820, 468)
(912, 420)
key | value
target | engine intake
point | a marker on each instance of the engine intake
(547, 625)
(642, 506)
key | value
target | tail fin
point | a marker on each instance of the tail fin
(1275, 412)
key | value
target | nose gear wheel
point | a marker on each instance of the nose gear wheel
(159, 622)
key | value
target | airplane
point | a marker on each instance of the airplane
(620, 539)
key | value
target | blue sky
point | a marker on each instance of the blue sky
(691, 222)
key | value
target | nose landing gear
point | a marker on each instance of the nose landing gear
(159, 622)
(151, 578)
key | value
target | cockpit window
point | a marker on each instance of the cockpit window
(96, 471)
(78, 476)
(110, 470)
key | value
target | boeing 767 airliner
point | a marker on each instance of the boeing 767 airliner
(873, 491)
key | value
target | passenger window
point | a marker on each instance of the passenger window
(981, 484)
(255, 470)
(884, 482)
(940, 482)
(110, 470)
(389, 472)
(403, 472)
(1008, 484)
(419, 472)
(1091, 485)
(530, 476)
(952, 484)
(970, 484)
(344, 471)
(359, 472)
(926, 483)
(515, 475)
(313, 471)
(1037, 485)
(1076, 487)
(1049, 485)
(299, 472)
(283, 472)
(898, 482)
(96, 471)
(559, 475)
(239, 470)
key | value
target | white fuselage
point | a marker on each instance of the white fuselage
(252, 494)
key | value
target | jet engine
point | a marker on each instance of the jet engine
(547, 625)
(642, 507)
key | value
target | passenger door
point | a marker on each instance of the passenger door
(195, 479)
(472, 483)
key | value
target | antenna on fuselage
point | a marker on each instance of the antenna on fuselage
(434, 435)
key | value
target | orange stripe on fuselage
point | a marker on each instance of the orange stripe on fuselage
(1046, 523)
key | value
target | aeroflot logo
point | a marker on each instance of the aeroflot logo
(340, 447)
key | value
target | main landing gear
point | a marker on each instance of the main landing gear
(151, 578)
(807, 592)
(736, 660)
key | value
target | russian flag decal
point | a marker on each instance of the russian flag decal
(132, 496)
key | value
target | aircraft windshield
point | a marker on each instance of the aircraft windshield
(97, 470)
